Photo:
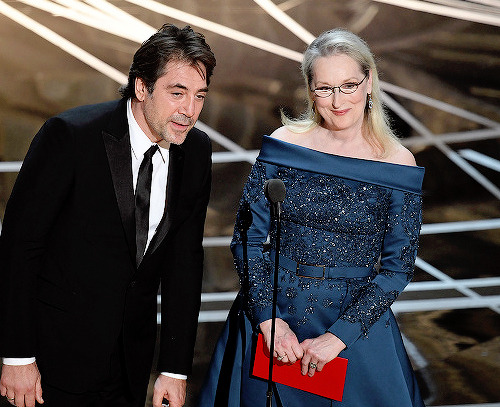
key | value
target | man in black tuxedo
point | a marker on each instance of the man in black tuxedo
(111, 200)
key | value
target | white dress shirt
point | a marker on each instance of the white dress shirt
(139, 144)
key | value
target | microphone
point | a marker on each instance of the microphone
(275, 192)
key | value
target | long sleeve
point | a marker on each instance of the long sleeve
(259, 280)
(182, 275)
(398, 255)
(41, 188)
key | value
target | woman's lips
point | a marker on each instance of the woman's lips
(340, 112)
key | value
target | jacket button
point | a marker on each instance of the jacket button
(132, 284)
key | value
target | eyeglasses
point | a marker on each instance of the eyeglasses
(347, 88)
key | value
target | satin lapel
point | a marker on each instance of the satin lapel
(120, 164)
(174, 183)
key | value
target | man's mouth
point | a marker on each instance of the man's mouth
(181, 121)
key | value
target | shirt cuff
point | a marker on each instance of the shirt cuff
(18, 361)
(174, 375)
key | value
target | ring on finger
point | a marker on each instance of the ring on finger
(279, 357)
(312, 365)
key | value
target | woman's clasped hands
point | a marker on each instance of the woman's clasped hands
(313, 353)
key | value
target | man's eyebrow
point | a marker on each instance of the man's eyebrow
(181, 86)
(177, 85)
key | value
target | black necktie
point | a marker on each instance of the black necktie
(142, 193)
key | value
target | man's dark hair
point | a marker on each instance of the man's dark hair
(169, 43)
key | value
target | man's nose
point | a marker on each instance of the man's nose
(187, 107)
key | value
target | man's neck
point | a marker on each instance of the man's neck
(141, 121)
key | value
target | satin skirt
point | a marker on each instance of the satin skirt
(379, 373)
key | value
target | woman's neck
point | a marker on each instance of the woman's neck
(349, 143)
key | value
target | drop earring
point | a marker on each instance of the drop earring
(370, 101)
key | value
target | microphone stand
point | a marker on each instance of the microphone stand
(277, 213)
(275, 192)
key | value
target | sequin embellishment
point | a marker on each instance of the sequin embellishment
(368, 305)
(336, 222)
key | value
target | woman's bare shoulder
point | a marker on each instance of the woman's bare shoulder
(286, 134)
(401, 155)
(282, 133)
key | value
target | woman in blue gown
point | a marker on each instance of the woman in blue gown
(349, 234)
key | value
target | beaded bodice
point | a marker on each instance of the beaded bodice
(338, 212)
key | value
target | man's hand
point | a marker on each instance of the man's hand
(171, 389)
(21, 385)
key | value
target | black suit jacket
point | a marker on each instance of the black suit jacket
(69, 281)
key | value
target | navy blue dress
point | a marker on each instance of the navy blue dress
(349, 237)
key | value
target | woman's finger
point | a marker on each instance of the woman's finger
(290, 358)
(298, 351)
(312, 368)
(320, 365)
(305, 364)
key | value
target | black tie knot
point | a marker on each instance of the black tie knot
(150, 152)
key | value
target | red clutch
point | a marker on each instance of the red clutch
(328, 383)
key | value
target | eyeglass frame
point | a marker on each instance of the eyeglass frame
(332, 88)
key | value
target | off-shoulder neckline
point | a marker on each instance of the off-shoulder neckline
(398, 176)
(267, 137)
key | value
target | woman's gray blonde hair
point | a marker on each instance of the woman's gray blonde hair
(376, 128)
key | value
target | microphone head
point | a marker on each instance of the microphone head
(275, 190)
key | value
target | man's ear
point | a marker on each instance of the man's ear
(140, 89)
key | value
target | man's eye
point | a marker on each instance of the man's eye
(201, 97)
